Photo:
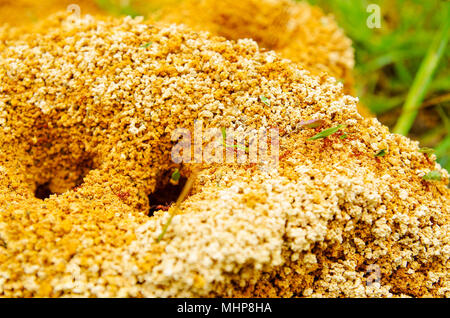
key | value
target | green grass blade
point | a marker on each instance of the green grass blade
(423, 78)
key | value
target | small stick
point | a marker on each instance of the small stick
(186, 189)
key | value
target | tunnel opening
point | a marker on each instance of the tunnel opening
(166, 193)
(43, 191)
(62, 178)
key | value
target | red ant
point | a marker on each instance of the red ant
(123, 195)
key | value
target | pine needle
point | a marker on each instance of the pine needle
(186, 189)
(326, 133)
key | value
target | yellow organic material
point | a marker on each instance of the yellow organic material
(300, 32)
(88, 112)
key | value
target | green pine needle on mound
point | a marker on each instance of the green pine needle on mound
(146, 45)
(239, 147)
(432, 176)
(224, 136)
(175, 177)
(327, 132)
(265, 100)
(381, 153)
(427, 150)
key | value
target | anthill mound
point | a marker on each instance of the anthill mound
(87, 110)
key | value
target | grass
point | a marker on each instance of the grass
(402, 69)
